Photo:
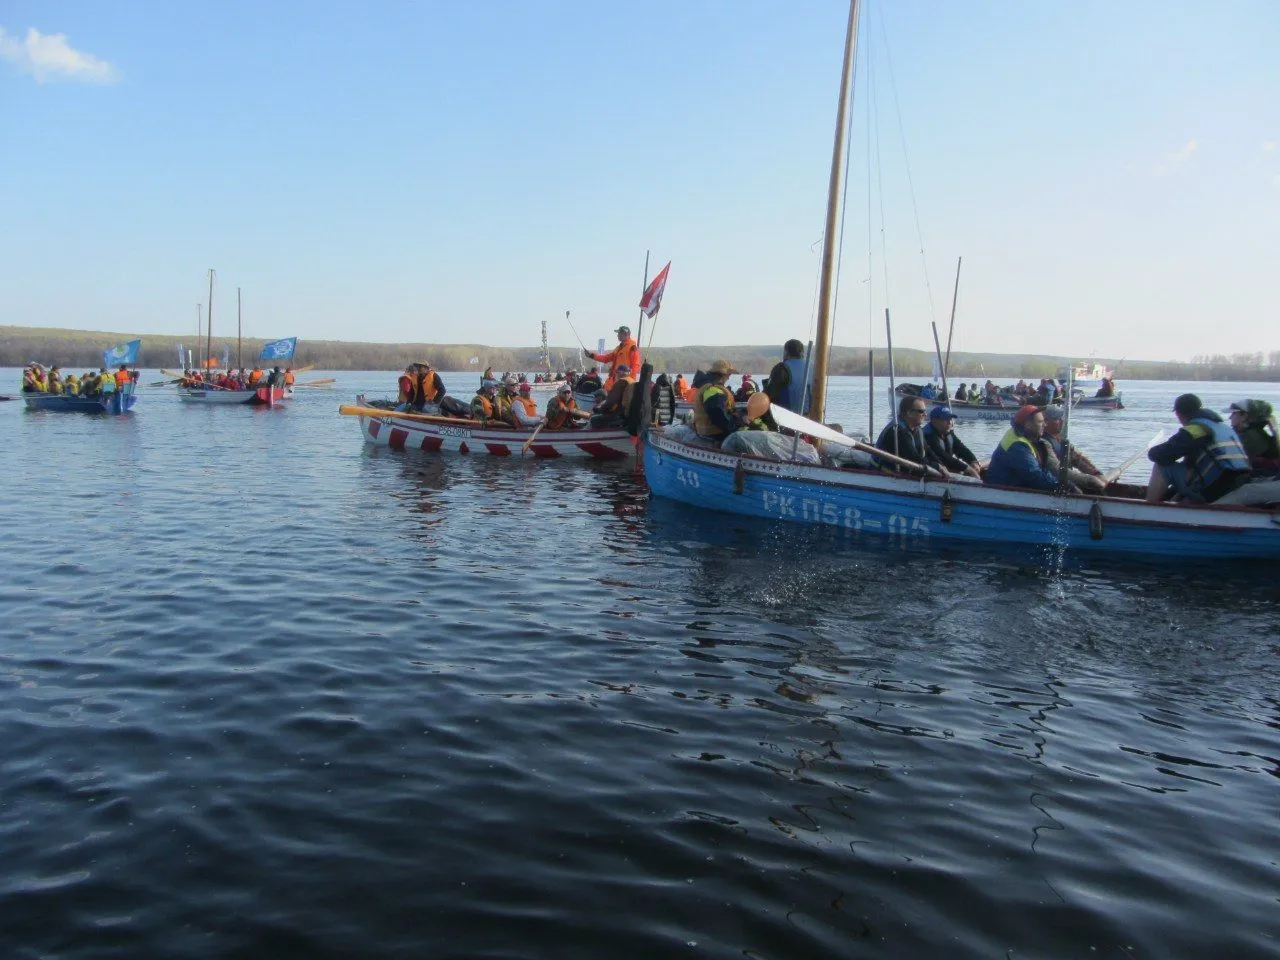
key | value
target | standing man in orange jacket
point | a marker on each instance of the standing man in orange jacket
(627, 354)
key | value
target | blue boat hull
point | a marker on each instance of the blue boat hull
(916, 511)
(112, 403)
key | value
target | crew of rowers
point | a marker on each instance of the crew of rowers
(1046, 392)
(238, 380)
(90, 384)
(1206, 461)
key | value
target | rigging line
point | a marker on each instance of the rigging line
(844, 209)
(906, 161)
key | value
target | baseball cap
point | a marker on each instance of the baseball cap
(941, 412)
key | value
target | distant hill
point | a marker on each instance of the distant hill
(83, 348)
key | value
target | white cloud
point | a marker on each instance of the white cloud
(49, 58)
(1178, 157)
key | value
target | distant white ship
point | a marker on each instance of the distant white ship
(1087, 374)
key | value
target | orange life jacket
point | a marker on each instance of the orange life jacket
(255, 376)
(289, 378)
(530, 408)
(122, 378)
(559, 412)
(486, 405)
(628, 352)
(428, 386)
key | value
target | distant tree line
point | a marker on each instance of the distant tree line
(82, 348)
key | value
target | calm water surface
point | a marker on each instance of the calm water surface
(269, 692)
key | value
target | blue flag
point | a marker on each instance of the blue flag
(125, 353)
(279, 349)
(182, 357)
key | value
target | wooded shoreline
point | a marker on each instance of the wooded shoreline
(83, 348)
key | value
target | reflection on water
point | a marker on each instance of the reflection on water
(271, 692)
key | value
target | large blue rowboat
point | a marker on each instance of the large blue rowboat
(921, 511)
(117, 402)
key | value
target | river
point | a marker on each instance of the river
(268, 692)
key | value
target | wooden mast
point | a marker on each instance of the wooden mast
(822, 346)
(239, 358)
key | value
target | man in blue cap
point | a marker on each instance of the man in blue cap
(948, 449)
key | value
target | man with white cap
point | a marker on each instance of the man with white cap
(1254, 424)
(562, 410)
(627, 352)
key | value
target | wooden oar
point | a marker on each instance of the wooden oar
(793, 421)
(315, 383)
(349, 410)
(1111, 476)
(525, 449)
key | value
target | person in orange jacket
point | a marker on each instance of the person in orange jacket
(627, 353)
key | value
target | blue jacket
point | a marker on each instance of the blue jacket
(1015, 463)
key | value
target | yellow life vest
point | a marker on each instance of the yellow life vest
(701, 422)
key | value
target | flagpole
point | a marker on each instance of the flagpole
(239, 357)
(643, 287)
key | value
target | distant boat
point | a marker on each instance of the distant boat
(116, 402)
(1086, 374)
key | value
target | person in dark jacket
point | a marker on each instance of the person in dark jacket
(785, 385)
(1021, 460)
(948, 450)
(904, 438)
(1201, 462)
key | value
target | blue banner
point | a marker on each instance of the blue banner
(279, 349)
(125, 353)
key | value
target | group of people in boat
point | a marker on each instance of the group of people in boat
(35, 379)
(1206, 461)
(238, 380)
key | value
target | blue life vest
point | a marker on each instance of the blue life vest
(795, 398)
(1222, 454)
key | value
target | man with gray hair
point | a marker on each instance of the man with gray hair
(1080, 471)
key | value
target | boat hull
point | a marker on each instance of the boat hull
(263, 395)
(112, 403)
(918, 511)
(449, 435)
(1099, 403)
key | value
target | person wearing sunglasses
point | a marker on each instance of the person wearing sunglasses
(904, 436)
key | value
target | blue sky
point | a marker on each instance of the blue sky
(458, 172)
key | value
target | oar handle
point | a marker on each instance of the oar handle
(350, 410)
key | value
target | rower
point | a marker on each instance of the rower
(506, 397)
(1255, 425)
(562, 410)
(404, 388)
(1080, 470)
(289, 378)
(483, 406)
(611, 411)
(904, 438)
(1202, 462)
(54, 383)
(589, 382)
(744, 392)
(123, 377)
(948, 450)
(1020, 460)
(523, 408)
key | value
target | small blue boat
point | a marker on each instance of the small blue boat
(116, 402)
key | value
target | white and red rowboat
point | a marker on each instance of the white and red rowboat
(455, 435)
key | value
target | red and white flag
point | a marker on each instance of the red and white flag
(652, 298)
